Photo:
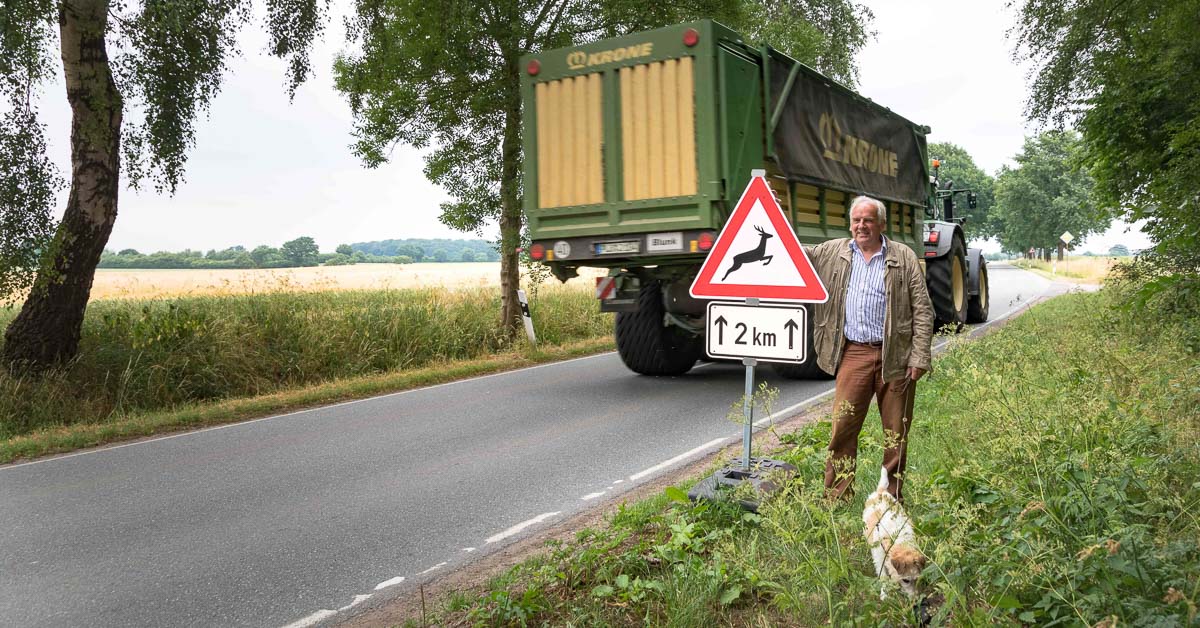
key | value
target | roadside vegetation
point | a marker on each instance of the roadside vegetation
(1074, 269)
(1054, 479)
(147, 366)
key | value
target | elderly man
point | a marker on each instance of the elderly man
(874, 333)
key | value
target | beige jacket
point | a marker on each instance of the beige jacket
(907, 326)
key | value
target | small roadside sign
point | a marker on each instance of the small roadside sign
(766, 332)
(1066, 237)
(757, 255)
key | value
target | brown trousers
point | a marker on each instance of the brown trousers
(860, 377)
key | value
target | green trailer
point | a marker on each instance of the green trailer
(637, 149)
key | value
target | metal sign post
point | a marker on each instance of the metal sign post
(748, 412)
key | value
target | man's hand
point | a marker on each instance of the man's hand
(915, 373)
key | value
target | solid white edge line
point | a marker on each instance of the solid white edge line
(683, 456)
(433, 568)
(358, 599)
(591, 496)
(519, 527)
(387, 583)
(103, 449)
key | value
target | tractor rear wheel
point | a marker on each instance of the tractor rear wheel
(947, 281)
(977, 306)
(647, 345)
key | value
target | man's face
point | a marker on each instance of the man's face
(865, 227)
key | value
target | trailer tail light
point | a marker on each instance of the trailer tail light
(705, 241)
(933, 237)
(691, 37)
(537, 252)
(534, 67)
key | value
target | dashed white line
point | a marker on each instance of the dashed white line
(358, 599)
(618, 481)
(468, 549)
(683, 456)
(313, 619)
(387, 583)
(433, 568)
(519, 527)
(592, 495)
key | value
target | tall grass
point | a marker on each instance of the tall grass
(1054, 479)
(138, 355)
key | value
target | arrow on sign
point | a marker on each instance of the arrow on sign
(791, 328)
(721, 323)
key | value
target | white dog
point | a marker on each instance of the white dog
(890, 534)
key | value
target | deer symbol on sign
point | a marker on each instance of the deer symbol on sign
(756, 254)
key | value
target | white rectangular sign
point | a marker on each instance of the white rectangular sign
(772, 333)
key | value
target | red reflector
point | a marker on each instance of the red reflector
(537, 251)
(691, 37)
(533, 68)
(930, 253)
(933, 236)
(705, 241)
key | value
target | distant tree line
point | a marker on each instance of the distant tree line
(303, 251)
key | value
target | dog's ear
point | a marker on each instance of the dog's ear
(906, 559)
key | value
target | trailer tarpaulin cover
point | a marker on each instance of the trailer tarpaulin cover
(825, 135)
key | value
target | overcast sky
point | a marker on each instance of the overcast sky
(265, 171)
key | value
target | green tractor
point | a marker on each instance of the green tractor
(956, 275)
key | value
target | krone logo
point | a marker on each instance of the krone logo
(579, 59)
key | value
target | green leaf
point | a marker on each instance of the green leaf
(602, 590)
(730, 594)
(676, 494)
(1006, 602)
(623, 581)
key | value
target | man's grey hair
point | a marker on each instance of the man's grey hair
(880, 208)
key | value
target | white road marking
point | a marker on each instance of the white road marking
(387, 583)
(358, 599)
(683, 456)
(313, 619)
(468, 549)
(618, 481)
(433, 568)
(592, 495)
(520, 526)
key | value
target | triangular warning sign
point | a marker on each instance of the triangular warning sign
(757, 255)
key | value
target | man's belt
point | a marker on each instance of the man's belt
(865, 344)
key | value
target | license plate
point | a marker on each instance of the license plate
(609, 248)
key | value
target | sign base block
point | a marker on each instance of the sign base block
(766, 476)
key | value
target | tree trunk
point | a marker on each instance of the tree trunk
(46, 331)
(1061, 247)
(510, 205)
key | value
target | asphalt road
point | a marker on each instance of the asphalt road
(293, 519)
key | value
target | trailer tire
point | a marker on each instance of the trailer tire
(807, 370)
(947, 280)
(648, 346)
(977, 305)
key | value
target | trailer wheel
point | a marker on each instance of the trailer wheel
(648, 346)
(807, 370)
(977, 306)
(947, 280)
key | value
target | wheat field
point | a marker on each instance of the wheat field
(150, 284)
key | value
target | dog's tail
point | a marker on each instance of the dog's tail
(883, 480)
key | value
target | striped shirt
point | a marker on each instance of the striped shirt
(866, 298)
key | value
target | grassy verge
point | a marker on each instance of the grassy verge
(146, 367)
(1054, 479)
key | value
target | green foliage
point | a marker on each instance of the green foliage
(826, 35)
(1119, 250)
(28, 182)
(1128, 77)
(1046, 194)
(154, 355)
(344, 249)
(958, 166)
(301, 252)
(417, 248)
